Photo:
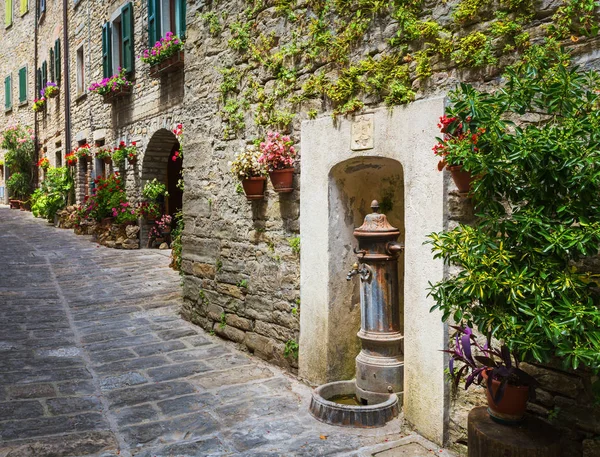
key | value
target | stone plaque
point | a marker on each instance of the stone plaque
(362, 132)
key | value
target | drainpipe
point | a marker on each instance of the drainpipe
(35, 93)
(66, 77)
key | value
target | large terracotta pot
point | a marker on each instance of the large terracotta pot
(282, 180)
(461, 178)
(511, 408)
(254, 188)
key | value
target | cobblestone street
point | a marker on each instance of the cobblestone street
(94, 360)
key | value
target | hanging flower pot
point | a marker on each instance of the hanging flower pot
(282, 180)
(461, 178)
(511, 408)
(107, 160)
(254, 187)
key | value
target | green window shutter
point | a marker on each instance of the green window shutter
(23, 85)
(127, 56)
(153, 22)
(107, 70)
(44, 74)
(51, 58)
(180, 9)
(38, 82)
(8, 12)
(7, 94)
(57, 61)
(42, 6)
(24, 6)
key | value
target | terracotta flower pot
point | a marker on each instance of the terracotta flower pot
(88, 159)
(254, 187)
(282, 180)
(107, 160)
(132, 160)
(461, 178)
(511, 408)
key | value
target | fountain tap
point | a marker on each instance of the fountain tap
(352, 272)
(364, 271)
(393, 247)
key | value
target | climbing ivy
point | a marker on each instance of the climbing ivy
(318, 49)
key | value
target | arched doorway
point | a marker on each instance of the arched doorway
(158, 164)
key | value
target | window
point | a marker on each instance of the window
(24, 7)
(58, 154)
(38, 83)
(57, 61)
(165, 16)
(23, 85)
(80, 72)
(8, 13)
(117, 43)
(7, 93)
(44, 74)
(42, 6)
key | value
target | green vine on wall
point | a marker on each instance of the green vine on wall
(319, 56)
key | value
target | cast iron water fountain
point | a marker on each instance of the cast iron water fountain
(371, 399)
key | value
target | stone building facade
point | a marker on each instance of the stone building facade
(270, 275)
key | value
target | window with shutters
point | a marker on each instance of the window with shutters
(118, 42)
(8, 13)
(51, 59)
(7, 93)
(44, 74)
(23, 85)
(165, 16)
(24, 7)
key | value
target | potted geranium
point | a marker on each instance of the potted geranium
(248, 168)
(459, 143)
(278, 155)
(131, 152)
(148, 210)
(508, 388)
(71, 158)
(38, 105)
(124, 213)
(165, 56)
(115, 86)
(51, 90)
(119, 154)
(104, 154)
(43, 163)
(84, 152)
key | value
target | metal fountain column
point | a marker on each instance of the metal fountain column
(380, 364)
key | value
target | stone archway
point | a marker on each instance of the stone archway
(158, 164)
(332, 153)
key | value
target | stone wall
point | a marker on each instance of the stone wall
(245, 75)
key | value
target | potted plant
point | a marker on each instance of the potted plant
(124, 213)
(111, 88)
(39, 104)
(104, 154)
(71, 158)
(164, 225)
(278, 155)
(521, 272)
(148, 210)
(165, 56)
(248, 168)
(51, 90)
(43, 163)
(132, 152)
(508, 388)
(459, 143)
(155, 191)
(119, 154)
(84, 152)
(18, 185)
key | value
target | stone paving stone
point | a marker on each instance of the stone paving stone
(139, 363)
(50, 426)
(69, 405)
(146, 393)
(122, 343)
(181, 370)
(72, 445)
(159, 348)
(103, 336)
(177, 333)
(31, 391)
(111, 355)
(20, 410)
(187, 404)
(136, 415)
(122, 380)
(203, 353)
(233, 376)
(69, 388)
(213, 447)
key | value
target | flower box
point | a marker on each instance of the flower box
(169, 65)
(123, 91)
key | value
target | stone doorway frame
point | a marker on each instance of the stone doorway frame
(407, 135)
